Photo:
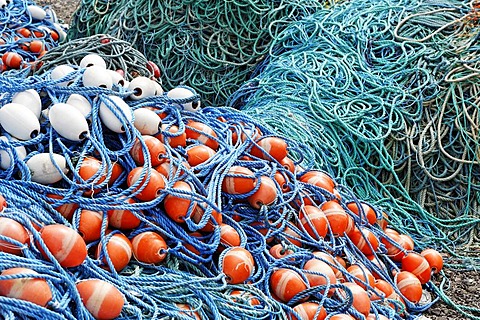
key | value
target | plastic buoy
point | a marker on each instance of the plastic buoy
(418, 265)
(101, 299)
(319, 179)
(30, 99)
(65, 244)
(149, 247)
(239, 180)
(12, 60)
(278, 251)
(35, 290)
(43, 170)
(36, 12)
(409, 286)
(266, 194)
(80, 103)
(19, 121)
(62, 71)
(286, 283)
(96, 76)
(362, 276)
(90, 225)
(175, 139)
(158, 89)
(68, 122)
(12, 229)
(91, 60)
(237, 265)
(182, 95)
(309, 311)
(109, 119)
(314, 221)
(178, 208)
(123, 218)
(146, 121)
(270, 147)
(155, 148)
(229, 237)
(119, 249)
(142, 87)
(198, 154)
(150, 190)
(117, 78)
(5, 159)
(202, 133)
(361, 300)
(336, 216)
(364, 240)
(366, 211)
(434, 258)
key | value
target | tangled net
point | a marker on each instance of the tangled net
(211, 46)
(386, 92)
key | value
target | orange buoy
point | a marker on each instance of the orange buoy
(179, 208)
(409, 286)
(265, 195)
(288, 164)
(176, 139)
(350, 225)
(156, 150)
(292, 236)
(229, 237)
(278, 251)
(201, 132)
(309, 311)
(336, 216)
(417, 265)
(341, 316)
(383, 222)
(314, 221)
(364, 240)
(90, 225)
(408, 243)
(327, 257)
(380, 265)
(240, 295)
(362, 276)
(149, 247)
(384, 288)
(237, 265)
(123, 218)
(282, 181)
(14, 230)
(434, 258)
(150, 190)
(89, 168)
(371, 316)
(215, 220)
(395, 253)
(35, 290)
(12, 60)
(361, 300)
(368, 211)
(270, 147)
(36, 46)
(319, 179)
(100, 298)
(233, 184)
(66, 210)
(119, 249)
(199, 154)
(286, 283)
(325, 277)
(65, 244)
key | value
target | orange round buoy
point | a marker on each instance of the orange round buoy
(240, 295)
(434, 258)
(378, 263)
(199, 131)
(408, 243)
(350, 225)
(35, 290)
(319, 179)
(188, 244)
(12, 60)
(327, 257)
(123, 218)
(24, 32)
(371, 316)
(336, 216)
(384, 288)
(149, 247)
(383, 222)
(199, 154)
(265, 195)
(65, 244)
(179, 208)
(282, 181)
(314, 221)
(363, 239)
(100, 298)
(233, 184)
(215, 220)
(292, 236)
(90, 225)
(409, 286)
(237, 265)
(341, 316)
(362, 275)
(188, 311)
(326, 276)
(395, 253)
(417, 265)
(36, 46)
(288, 164)
(270, 147)
(286, 283)
(309, 311)
(119, 250)
(150, 190)
(14, 230)
(361, 300)
(229, 237)
(156, 150)
(175, 140)
(278, 251)
(89, 168)
(368, 211)
(66, 210)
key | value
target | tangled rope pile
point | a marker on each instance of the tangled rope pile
(212, 46)
(386, 93)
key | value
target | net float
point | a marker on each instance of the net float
(34, 289)
(265, 195)
(109, 119)
(80, 103)
(90, 225)
(123, 218)
(24, 32)
(229, 237)
(36, 46)
(383, 288)
(408, 243)
(336, 216)
(319, 273)
(12, 60)
(60, 72)
(364, 240)
(362, 276)
(183, 94)
(149, 247)
(43, 170)
(179, 208)
(100, 298)
(36, 12)
(327, 257)
(361, 300)
(292, 236)
(309, 311)
(158, 88)
(155, 148)
(434, 258)
(237, 265)
(96, 76)
(142, 87)
(119, 249)
(146, 121)
(149, 190)
(341, 316)
(215, 220)
(319, 179)
(378, 263)
(239, 180)
(278, 251)
(409, 286)
(187, 310)
(174, 140)
(202, 133)
(199, 154)
(282, 181)
(365, 211)
(383, 221)
(5, 159)
(417, 265)
(68, 122)
(372, 316)
(66, 210)
(92, 59)
(14, 230)
(288, 164)
(239, 296)
(190, 243)
(30, 99)
(65, 244)
(90, 172)
(58, 34)
(286, 283)
(270, 147)
(117, 78)
(19, 121)
(314, 221)
(395, 252)
(153, 68)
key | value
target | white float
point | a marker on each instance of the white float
(68, 121)
(19, 121)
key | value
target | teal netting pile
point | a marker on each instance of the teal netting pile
(387, 94)
(212, 46)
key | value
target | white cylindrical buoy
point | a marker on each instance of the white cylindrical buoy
(147, 121)
(142, 87)
(184, 93)
(81, 103)
(30, 99)
(158, 88)
(62, 71)
(3, 4)
(5, 159)
(91, 60)
(96, 76)
(62, 35)
(68, 121)
(36, 12)
(110, 120)
(117, 78)
(19, 121)
(43, 169)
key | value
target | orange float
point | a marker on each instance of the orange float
(288, 164)
(319, 179)
(286, 283)
(149, 247)
(240, 295)
(265, 195)
(408, 243)
(325, 277)
(314, 221)
(65, 244)
(12, 60)
(361, 300)
(409, 286)
(229, 237)
(364, 240)
(237, 265)
(278, 251)
(384, 288)
(395, 253)
(282, 181)
(123, 218)
(362, 276)
(434, 258)
(100, 298)
(66, 210)
(215, 220)
(199, 154)
(90, 225)
(292, 236)
(233, 184)
(309, 311)
(417, 265)
(119, 249)
(202, 133)
(188, 311)
(179, 208)
(175, 140)
(35, 290)
(150, 190)
(368, 211)
(327, 257)
(270, 147)
(155, 148)
(341, 316)
(12, 229)
(336, 216)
